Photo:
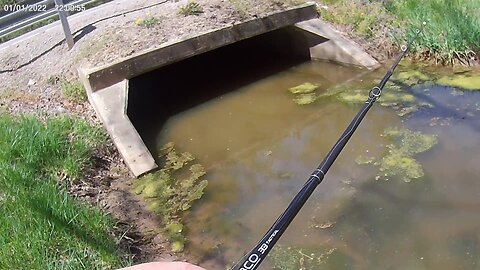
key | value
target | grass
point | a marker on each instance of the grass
(27, 29)
(451, 34)
(148, 22)
(41, 226)
(53, 79)
(72, 90)
(191, 8)
(366, 18)
(7, 2)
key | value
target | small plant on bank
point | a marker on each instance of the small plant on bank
(74, 91)
(148, 22)
(53, 79)
(191, 8)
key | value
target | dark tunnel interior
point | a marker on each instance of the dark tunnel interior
(157, 95)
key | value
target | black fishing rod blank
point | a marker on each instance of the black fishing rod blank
(252, 259)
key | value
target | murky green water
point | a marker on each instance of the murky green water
(259, 147)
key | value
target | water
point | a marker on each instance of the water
(259, 147)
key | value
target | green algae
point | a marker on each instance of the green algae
(353, 97)
(407, 110)
(411, 142)
(305, 99)
(286, 175)
(170, 191)
(461, 81)
(178, 246)
(304, 93)
(399, 159)
(411, 77)
(397, 163)
(387, 99)
(362, 160)
(304, 88)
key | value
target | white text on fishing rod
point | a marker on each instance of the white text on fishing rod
(254, 258)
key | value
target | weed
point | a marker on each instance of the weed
(41, 226)
(148, 22)
(241, 7)
(191, 8)
(73, 91)
(53, 79)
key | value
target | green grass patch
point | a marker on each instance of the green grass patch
(27, 29)
(451, 34)
(365, 17)
(7, 2)
(147, 22)
(73, 91)
(191, 8)
(41, 226)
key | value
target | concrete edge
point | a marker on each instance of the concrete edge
(142, 62)
(110, 105)
(338, 48)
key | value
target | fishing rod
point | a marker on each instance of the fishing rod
(252, 259)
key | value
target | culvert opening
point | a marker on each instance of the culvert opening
(156, 96)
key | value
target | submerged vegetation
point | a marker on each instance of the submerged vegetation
(304, 93)
(172, 190)
(393, 96)
(293, 258)
(461, 81)
(411, 77)
(451, 34)
(303, 88)
(399, 158)
(42, 227)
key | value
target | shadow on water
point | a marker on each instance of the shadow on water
(445, 104)
(155, 96)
